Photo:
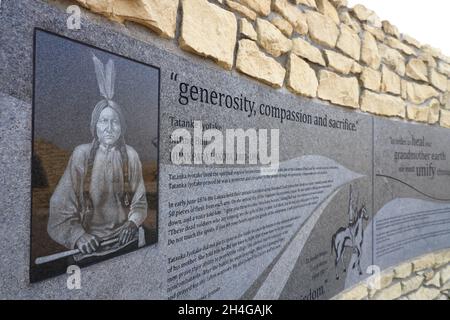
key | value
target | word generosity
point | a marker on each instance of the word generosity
(240, 103)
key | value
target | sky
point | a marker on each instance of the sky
(427, 21)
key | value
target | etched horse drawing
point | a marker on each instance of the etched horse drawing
(350, 237)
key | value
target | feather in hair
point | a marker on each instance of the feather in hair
(104, 78)
(110, 77)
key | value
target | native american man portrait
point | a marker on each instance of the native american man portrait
(100, 201)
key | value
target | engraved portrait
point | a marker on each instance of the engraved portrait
(95, 155)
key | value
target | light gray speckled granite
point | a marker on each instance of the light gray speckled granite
(142, 274)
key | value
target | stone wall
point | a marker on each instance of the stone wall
(424, 278)
(322, 50)
(319, 49)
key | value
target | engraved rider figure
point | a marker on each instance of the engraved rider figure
(352, 212)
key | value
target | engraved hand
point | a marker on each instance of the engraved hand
(129, 230)
(88, 243)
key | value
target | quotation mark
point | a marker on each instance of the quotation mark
(174, 76)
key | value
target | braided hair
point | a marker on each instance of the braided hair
(124, 197)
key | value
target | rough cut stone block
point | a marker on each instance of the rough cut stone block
(445, 274)
(159, 16)
(376, 32)
(423, 263)
(361, 12)
(292, 14)
(428, 113)
(302, 78)
(339, 3)
(209, 31)
(442, 258)
(339, 62)
(243, 10)
(306, 50)
(424, 294)
(349, 42)
(436, 53)
(383, 104)
(386, 280)
(390, 293)
(338, 90)
(283, 25)
(403, 271)
(434, 282)
(416, 113)
(428, 59)
(411, 41)
(301, 26)
(390, 81)
(349, 21)
(390, 29)
(327, 9)
(271, 38)
(417, 69)
(438, 80)
(446, 287)
(357, 293)
(254, 63)
(444, 68)
(262, 7)
(393, 59)
(418, 93)
(428, 274)
(356, 68)
(371, 79)
(445, 119)
(247, 30)
(445, 58)
(369, 51)
(309, 3)
(374, 20)
(445, 100)
(434, 108)
(411, 284)
(322, 29)
(397, 44)
(404, 85)
(104, 7)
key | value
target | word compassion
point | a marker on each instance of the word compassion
(191, 93)
(213, 147)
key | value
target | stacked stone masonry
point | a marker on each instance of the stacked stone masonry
(325, 51)
(320, 49)
(424, 278)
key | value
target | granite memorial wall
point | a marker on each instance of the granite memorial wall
(95, 125)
